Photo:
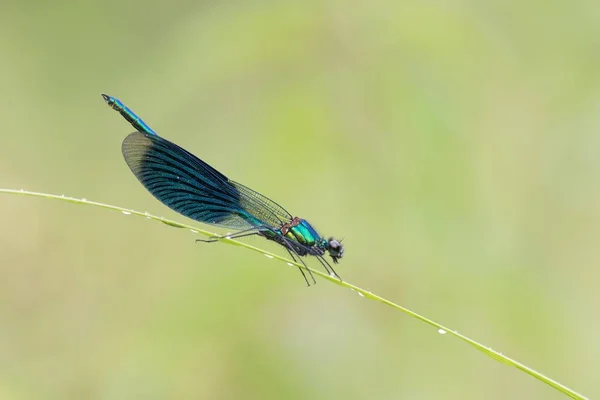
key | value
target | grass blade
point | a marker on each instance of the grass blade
(369, 295)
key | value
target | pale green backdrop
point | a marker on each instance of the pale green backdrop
(455, 145)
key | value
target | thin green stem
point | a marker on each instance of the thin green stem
(443, 330)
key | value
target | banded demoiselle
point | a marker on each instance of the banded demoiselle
(188, 185)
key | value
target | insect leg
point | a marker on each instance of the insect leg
(292, 251)
(301, 270)
(328, 267)
(246, 232)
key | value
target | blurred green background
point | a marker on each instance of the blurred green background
(453, 144)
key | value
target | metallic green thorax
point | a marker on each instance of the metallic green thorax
(305, 234)
(300, 231)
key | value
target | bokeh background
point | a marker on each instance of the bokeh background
(453, 144)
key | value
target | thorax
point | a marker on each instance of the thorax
(301, 230)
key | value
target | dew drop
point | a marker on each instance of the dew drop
(84, 199)
(268, 256)
(360, 294)
(193, 231)
(227, 237)
(442, 331)
(126, 212)
(62, 195)
(290, 264)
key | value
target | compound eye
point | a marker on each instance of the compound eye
(335, 247)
